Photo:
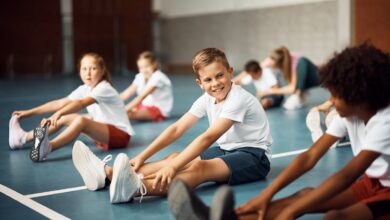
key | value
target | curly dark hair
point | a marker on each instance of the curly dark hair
(359, 75)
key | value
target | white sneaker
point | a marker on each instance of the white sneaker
(313, 123)
(125, 182)
(42, 146)
(294, 102)
(17, 136)
(90, 167)
(329, 118)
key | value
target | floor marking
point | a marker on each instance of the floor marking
(288, 153)
(43, 210)
(54, 192)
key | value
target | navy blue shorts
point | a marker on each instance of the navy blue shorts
(276, 100)
(246, 164)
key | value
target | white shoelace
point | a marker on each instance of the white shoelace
(107, 158)
(141, 187)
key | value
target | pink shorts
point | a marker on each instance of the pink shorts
(117, 138)
(154, 112)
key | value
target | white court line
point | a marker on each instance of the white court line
(54, 192)
(43, 210)
(288, 153)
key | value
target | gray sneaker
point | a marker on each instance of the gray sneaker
(42, 146)
(223, 205)
(184, 204)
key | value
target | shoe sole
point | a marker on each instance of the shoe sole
(79, 153)
(223, 205)
(121, 166)
(180, 202)
(35, 151)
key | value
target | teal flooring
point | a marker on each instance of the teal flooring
(20, 174)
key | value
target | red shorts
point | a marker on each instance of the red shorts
(370, 191)
(154, 112)
(117, 138)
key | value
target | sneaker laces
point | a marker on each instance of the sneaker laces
(141, 187)
(107, 158)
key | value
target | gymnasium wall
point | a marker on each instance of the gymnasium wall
(311, 29)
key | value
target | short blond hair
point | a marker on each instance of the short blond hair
(207, 56)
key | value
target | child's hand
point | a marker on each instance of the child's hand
(259, 205)
(21, 114)
(52, 120)
(163, 177)
(136, 163)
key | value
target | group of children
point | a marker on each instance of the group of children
(358, 79)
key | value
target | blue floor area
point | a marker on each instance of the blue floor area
(19, 173)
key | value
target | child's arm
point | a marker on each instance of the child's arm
(51, 106)
(138, 100)
(197, 146)
(169, 135)
(238, 78)
(71, 107)
(128, 92)
(300, 165)
(333, 185)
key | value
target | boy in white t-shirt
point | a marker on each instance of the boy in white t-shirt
(154, 99)
(358, 79)
(237, 123)
(106, 123)
(262, 79)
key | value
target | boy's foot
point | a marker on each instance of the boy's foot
(294, 102)
(125, 182)
(184, 204)
(223, 205)
(42, 146)
(17, 136)
(313, 122)
(90, 167)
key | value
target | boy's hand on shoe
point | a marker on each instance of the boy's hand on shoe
(136, 163)
(163, 177)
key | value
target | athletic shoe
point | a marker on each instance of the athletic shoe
(329, 118)
(184, 204)
(42, 146)
(313, 123)
(223, 205)
(17, 136)
(294, 102)
(90, 167)
(125, 182)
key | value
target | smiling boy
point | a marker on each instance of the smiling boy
(238, 125)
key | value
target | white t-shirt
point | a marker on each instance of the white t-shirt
(161, 97)
(251, 128)
(266, 81)
(374, 136)
(109, 108)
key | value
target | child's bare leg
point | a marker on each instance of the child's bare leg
(81, 124)
(142, 114)
(341, 201)
(266, 103)
(359, 211)
(64, 120)
(198, 172)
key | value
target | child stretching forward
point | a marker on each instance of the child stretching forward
(107, 122)
(359, 82)
(262, 79)
(154, 99)
(237, 123)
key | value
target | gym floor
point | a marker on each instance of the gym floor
(54, 189)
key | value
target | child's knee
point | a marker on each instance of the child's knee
(334, 214)
(198, 167)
